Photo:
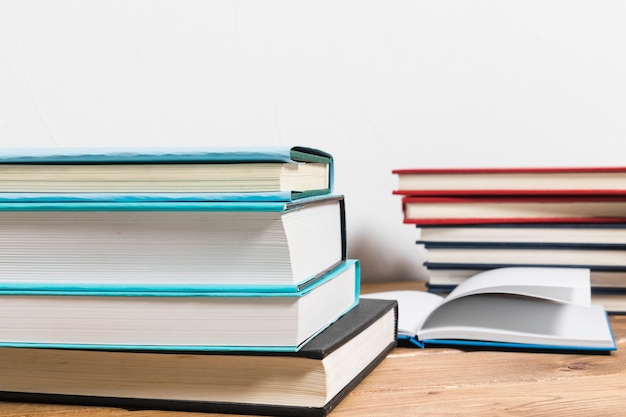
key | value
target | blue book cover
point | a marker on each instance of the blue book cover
(204, 246)
(164, 174)
(185, 320)
(118, 155)
(229, 202)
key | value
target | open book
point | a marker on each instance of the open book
(517, 307)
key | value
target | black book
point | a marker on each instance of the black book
(310, 382)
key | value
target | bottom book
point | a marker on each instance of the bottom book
(310, 382)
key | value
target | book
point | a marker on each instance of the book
(289, 172)
(464, 254)
(177, 319)
(538, 209)
(209, 246)
(554, 233)
(512, 181)
(444, 276)
(516, 308)
(310, 382)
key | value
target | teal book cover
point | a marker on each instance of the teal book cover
(177, 320)
(199, 246)
(278, 173)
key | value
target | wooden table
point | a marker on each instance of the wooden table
(450, 382)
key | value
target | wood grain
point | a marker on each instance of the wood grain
(450, 382)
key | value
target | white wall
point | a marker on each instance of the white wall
(381, 84)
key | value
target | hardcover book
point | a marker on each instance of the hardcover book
(538, 209)
(538, 233)
(512, 181)
(597, 257)
(310, 382)
(444, 275)
(285, 172)
(177, 319)
(512, 308)
(209, 246)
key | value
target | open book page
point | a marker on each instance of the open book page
(519, 320)
(567, 285)
(413, 308)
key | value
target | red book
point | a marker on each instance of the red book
(538, 209)
(512, 181)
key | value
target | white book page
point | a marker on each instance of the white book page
(413, 308)
(567, 285)
(519, 320)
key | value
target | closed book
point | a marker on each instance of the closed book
(209, 246)
(506, 209)
(181, 319)
(287, 172)
(440, 275)
(310, 382)
(596, 257)
(546, 233)
(508, 308)
(512, 181)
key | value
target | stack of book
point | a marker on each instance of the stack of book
(188, 279)
(472, 220)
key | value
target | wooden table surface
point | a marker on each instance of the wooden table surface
(450, 382)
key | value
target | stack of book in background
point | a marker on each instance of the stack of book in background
(194, 279)
(473, 220)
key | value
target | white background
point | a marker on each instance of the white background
(380, 84)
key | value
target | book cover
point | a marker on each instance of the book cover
(310, 382)
(134, 155)
(512, 181)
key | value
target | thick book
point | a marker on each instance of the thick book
(596, 257)
(554, 233)
(538, 209)
(288, 172)
(512, 181)
(512, 308)
(276, 246)
(310, 382)
(178, 319)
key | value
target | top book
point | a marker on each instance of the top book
(512, 181)
(285, 173)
